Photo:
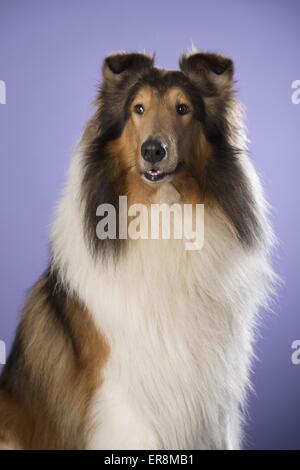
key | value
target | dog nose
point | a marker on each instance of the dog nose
(153, 151)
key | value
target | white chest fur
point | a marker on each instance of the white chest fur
(180, 327)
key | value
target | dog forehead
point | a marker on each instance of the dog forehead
(162, 85)
(148, 93)
(162, 79)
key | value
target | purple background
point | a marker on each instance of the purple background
(50, 55)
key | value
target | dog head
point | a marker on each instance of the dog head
(161, 121)
(179, 126)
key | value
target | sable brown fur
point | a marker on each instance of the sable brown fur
(52, 372)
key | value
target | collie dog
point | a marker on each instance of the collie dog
(134, 343)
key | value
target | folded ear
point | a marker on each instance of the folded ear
(213, 72)
(116, 66)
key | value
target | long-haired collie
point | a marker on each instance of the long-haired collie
(138, 342)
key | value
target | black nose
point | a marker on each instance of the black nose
(153, 151)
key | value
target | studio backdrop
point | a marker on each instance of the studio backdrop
(50, 57)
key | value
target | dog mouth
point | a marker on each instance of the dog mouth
(155, 175)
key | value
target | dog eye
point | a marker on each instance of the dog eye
(182, 109)
(139, 109)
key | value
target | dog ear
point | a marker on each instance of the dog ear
(116, 66)
(212, 72)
